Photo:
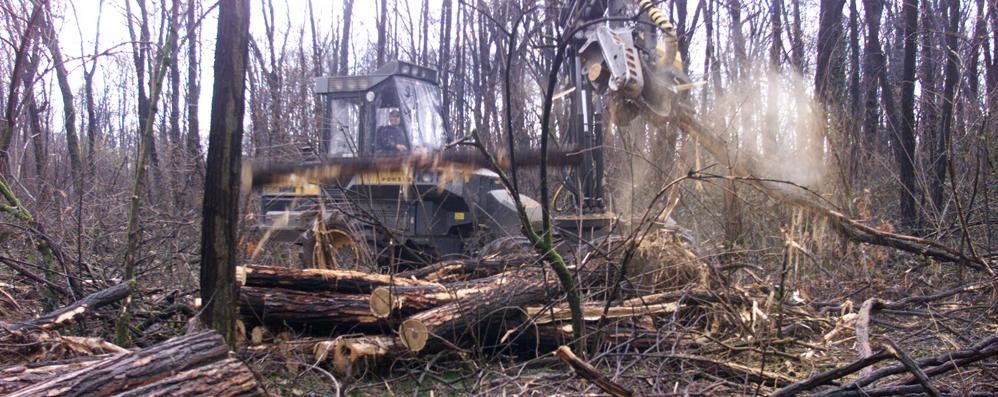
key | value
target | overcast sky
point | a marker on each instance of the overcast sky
(81, 20)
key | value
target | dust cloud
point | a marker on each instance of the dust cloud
(771, 118)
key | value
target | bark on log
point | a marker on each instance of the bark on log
(228, 377)
(408, 300)
(299, 309)
(17, 377)
(454, 319)
(344, 281)
(467, 269)
(356, 355)
(124, 372)
(72, 312)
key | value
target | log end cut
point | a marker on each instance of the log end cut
(413, 334)
(381, 302)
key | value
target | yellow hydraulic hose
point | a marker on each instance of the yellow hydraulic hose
(668, 47)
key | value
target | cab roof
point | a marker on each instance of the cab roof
(349, 84)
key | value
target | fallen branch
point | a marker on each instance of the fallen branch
(72, 312)
(941, 363)
(830, 375)
(863, 330)
(917, 372)
(590, 373)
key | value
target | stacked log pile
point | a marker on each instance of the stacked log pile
(365, 320)
(684, 313)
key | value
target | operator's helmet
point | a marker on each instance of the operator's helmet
(394, 113)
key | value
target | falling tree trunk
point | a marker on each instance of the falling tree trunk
(904, 145)
(220, 214)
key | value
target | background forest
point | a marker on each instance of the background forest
(883, 110)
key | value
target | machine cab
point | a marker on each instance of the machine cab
(390, 112)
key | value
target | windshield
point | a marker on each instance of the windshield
(342, 124)
(421, 109)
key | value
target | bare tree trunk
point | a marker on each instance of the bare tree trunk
(424, 52)
(174, 131)
(345, 38)
(829, 36)
(950, 85)
(382, 33)
(140, 52)
(10, 112)
(873, 64)
(193, 90)
(88, 88)
(68, 100)
(221, 197)
(904, 148)
(797, 43)
(145, 140)
(317, 53)
(443, 61)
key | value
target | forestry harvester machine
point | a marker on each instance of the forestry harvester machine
(375, 195)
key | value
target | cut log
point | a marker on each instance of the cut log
(128, 371)
(352, 356)
(408, 300)
(344, 281)
(68, 314)
(451, 321)
(275, 306)
(228, 377)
